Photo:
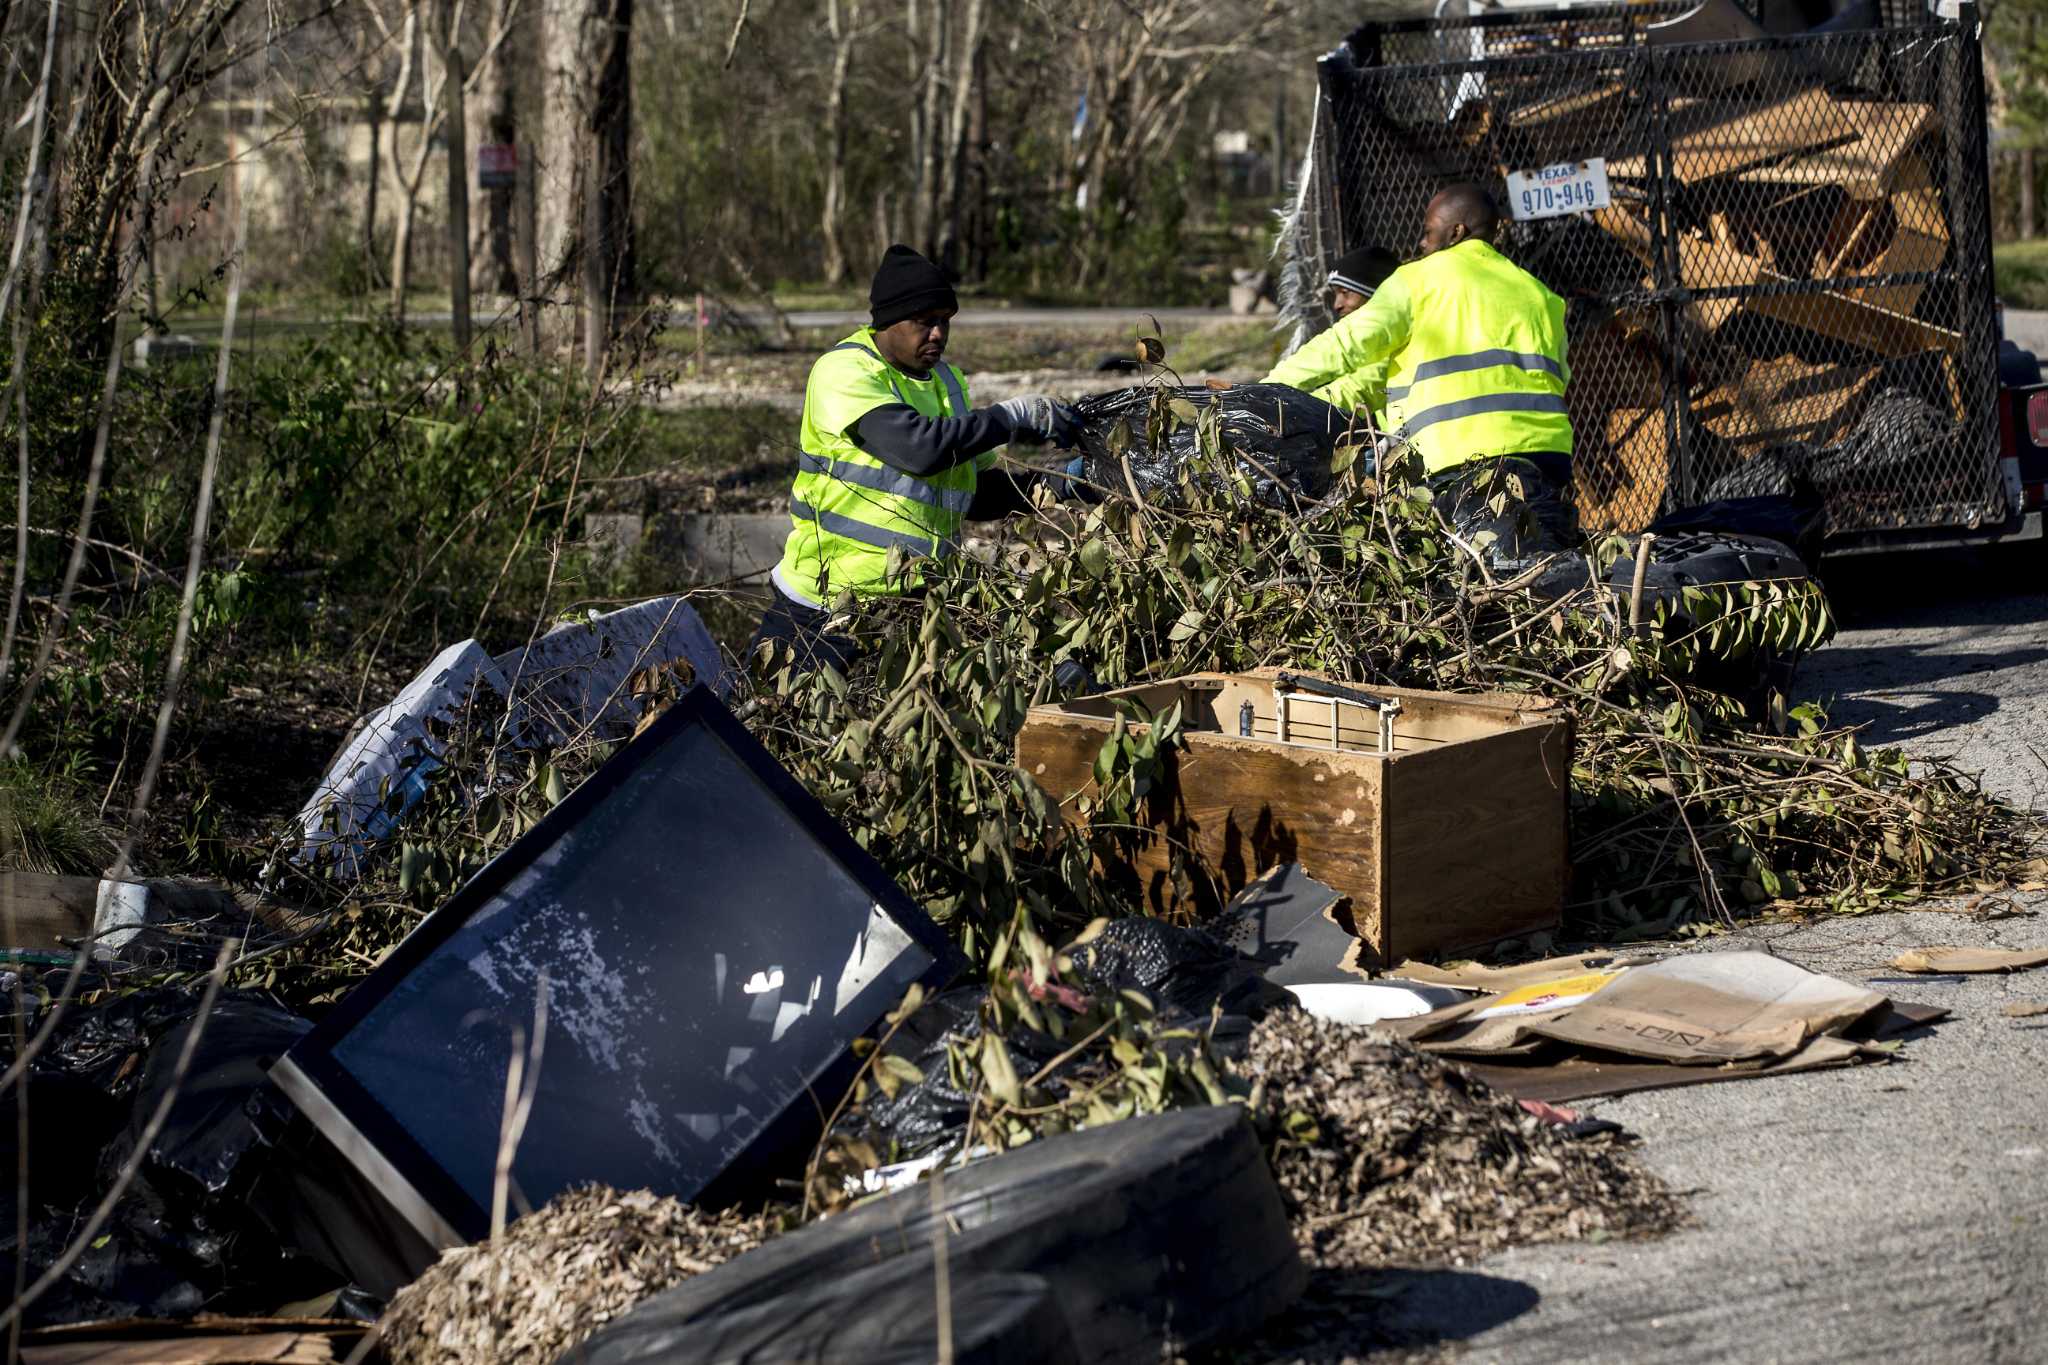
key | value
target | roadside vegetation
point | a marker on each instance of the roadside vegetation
(2021, 271)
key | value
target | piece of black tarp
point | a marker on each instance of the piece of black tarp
(1280, 440)
(1286, 921)
(1791, 519)
(188, 1234)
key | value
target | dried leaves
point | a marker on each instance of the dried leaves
(1387, 1155)
(557, 1275)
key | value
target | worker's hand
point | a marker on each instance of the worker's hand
(1044, 418)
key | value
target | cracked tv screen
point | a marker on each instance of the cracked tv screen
(704, 957)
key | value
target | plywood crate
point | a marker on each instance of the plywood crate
(1453, 839)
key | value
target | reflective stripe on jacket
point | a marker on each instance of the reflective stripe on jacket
(848, 509)
(1475, 353)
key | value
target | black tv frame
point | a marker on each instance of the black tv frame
(416, 1184)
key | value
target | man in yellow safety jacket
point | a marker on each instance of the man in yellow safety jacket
(1355, 278)
(892, 458)
(1474, 347)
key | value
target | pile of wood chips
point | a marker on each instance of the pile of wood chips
(1390, 1156)
(557, 1275)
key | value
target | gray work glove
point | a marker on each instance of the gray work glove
(1042, 417)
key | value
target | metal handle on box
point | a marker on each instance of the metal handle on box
(1332, 695)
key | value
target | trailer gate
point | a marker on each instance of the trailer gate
(1790, 285)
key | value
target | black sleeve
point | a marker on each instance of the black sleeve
(998, 493)
(903, 438)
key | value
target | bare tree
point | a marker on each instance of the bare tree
(584, 177)
(844, 33)
(966, 69)
(497, 122)
(455, 119)
(609, 283)
(1145, 62)
(419, 51)
(564, 100)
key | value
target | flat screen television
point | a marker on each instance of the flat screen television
(711, 943)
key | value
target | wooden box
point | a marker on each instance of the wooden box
(1453, 839)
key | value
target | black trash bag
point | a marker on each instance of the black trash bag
(1794, 519)
(185, 1236)
(1284, 439)
(1184, 972)
(1515, 509)
(314, 1200)
(224, 1103)
(922, 1117)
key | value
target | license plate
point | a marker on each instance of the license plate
(1567, 187)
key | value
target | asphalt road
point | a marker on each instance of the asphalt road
(1895, 1212)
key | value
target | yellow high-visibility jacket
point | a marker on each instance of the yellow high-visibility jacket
(1359, 391)
(1475, 353)
(848, 509)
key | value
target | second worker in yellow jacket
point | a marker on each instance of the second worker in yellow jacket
(1473, 345)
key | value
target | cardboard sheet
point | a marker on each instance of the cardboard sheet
(1702, 1009)
(1474, 976)
(1936, 960)
(1559, 1077)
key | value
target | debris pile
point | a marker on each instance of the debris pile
(558, 1274)
(1387, 1155)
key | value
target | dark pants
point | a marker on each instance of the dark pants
(1547, 521)
(800, 630)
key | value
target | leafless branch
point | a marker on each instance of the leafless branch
(732, 44)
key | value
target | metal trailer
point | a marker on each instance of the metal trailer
(1784, 281)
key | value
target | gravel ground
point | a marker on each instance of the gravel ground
(1894, 1212)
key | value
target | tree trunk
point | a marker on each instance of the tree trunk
(456, 121)
(412, 56)
(919, 74)
(955, 168)
(401, 254)
(835, 136)
(926, 224)
(558, 188)
(982, 232)
(371, 268)
(499, 125)
(2027, 193)
(2027, 223)
(608, 266)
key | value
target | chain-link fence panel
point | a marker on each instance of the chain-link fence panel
(1789, 287)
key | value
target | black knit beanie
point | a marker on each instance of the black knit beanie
(907, 284)
(1364, 270)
